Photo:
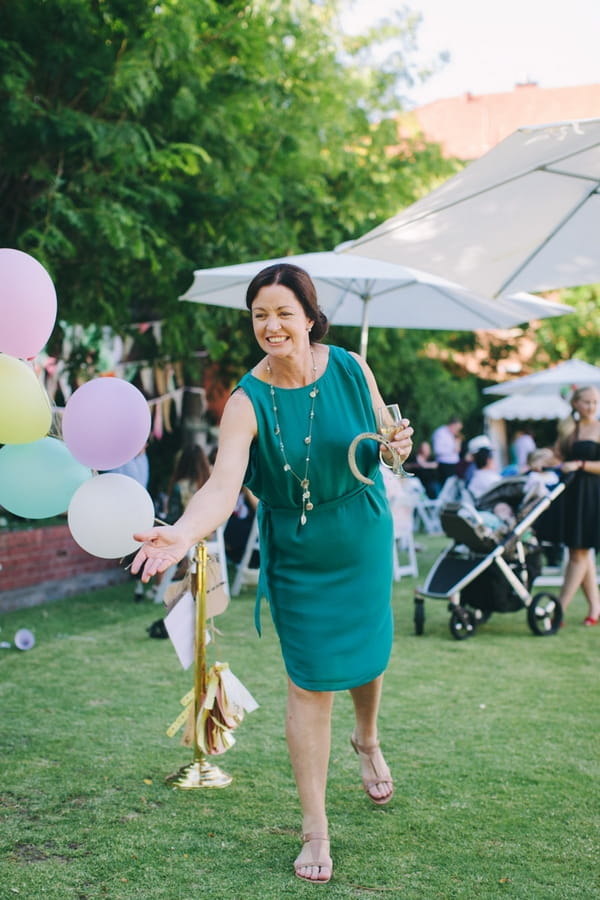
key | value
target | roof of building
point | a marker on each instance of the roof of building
(468, 126)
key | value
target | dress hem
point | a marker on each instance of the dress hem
(346, 686)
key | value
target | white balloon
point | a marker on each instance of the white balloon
(106, 511)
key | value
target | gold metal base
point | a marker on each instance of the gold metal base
(199, 774)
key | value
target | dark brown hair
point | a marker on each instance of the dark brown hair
(191, 464)
(301, 284)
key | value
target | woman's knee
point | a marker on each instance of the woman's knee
(314, 698)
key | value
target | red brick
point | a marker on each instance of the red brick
(44, 554)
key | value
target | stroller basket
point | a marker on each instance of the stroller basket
(492, 561)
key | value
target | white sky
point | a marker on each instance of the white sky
(494, 44)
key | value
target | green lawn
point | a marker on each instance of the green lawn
(493, 743)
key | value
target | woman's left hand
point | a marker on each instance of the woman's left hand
(402, 440)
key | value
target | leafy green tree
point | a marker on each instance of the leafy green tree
(143, 140)
(575, 334)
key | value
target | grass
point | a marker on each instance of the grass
(492, 741)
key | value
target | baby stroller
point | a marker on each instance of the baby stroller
(493, 560)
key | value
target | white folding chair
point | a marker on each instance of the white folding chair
(402, 497)
(426, 510)
(405, 544)
(247, 574)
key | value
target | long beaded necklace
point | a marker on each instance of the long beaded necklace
(304, 480)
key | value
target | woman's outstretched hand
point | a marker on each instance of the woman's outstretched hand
(162, 547)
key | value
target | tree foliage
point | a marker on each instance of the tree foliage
(143, 140)
(573, 335)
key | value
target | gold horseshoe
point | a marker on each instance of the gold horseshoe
(372, 436)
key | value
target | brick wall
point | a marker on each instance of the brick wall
(41, 564)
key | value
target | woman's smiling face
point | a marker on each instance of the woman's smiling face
(280, 324)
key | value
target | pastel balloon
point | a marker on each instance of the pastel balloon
(25, 412)
(106, 422)
(106, 511)
(37, 480)
(27, 304)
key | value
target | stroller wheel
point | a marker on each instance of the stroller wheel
(462, 623)
(544, 614)
(480, 616)
(419, 615)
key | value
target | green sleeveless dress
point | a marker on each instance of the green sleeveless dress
(328, 582)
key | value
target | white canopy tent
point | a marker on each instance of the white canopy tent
(564, 377)
(520, 407)
(541, 396)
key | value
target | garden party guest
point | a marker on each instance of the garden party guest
(425, 467)
(446, 441)
(238, 528)
(542, 468)
(326, 539)
(486, 474)
(137, 468)
(190, 472)
(475, 443)
(521, 446)
(575, 520)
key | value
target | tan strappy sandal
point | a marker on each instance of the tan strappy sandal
(383, 777)
(319, 859)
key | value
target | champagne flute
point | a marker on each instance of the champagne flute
(389, 419)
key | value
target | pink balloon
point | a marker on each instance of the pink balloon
(106, 423)
(27, 304)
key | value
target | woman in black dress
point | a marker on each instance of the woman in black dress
(578, 448)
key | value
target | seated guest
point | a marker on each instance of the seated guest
(425, 467)
(486, 474)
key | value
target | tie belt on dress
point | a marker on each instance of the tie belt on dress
(265, 530)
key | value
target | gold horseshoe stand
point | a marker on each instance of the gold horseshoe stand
(199, 773)
(367, 436)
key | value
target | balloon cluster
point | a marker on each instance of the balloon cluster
(105, 424)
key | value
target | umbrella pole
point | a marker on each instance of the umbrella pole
(364, 329)
(199, 773)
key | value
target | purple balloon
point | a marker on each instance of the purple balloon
(27, 304)
(106, 423)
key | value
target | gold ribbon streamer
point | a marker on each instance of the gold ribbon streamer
(181, 719)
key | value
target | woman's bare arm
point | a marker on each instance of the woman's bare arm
(212, 505)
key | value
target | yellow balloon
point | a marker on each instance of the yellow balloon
(25, 413)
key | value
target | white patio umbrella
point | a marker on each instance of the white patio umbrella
(355, 290)
(562, 377)
(525, 216)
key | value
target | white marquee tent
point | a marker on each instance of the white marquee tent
(540, 396)
(562, 378)
(520, 407)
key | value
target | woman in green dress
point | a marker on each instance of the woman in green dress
(326, 539)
